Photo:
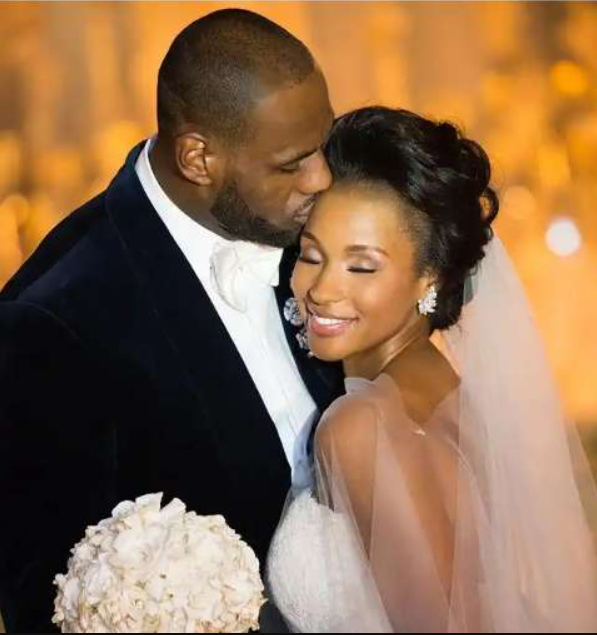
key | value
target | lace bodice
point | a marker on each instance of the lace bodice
(305, 586)
(318, 571)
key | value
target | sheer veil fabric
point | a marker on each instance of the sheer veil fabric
(476, 521)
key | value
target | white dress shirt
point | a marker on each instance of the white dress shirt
(258, 332)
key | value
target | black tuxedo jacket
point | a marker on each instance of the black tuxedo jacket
(118, 379)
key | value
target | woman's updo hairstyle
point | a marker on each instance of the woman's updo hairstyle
(442, 181)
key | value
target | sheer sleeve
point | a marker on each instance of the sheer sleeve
(410, 496)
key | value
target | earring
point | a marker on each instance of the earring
(303, 340)
(292, 314)
(428, 304)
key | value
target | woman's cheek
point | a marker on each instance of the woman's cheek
(369, 294)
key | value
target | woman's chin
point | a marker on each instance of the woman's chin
(326, 352)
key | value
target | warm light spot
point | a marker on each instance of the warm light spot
(564, 237)
(570, 79)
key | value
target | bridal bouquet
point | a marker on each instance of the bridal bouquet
(150, 569)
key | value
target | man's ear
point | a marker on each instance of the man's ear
(197, 159)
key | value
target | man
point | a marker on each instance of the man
(142, 347)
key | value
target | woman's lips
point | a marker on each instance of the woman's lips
(329, 327)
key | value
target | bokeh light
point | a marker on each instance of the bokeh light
(564, 237)
(570, 79)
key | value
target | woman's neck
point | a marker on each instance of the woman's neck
(371, 364)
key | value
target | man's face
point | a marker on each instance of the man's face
(274, 179)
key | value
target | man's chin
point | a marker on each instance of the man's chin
(266, 235)
(282, 239)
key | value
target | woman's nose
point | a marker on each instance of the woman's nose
(327, 289)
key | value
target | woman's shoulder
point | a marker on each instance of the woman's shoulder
(353, 417)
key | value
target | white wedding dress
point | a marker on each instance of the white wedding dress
(323, 575)
(475, 519)
(305, 587)
(319, 572)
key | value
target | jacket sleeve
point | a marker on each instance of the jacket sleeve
(58, 456)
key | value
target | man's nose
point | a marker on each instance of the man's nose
(317, 176)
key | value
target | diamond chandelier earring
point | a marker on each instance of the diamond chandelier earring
(293, 315)
(428, 304)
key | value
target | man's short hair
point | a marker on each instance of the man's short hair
(219, 65)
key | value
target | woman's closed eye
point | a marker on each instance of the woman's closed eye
(363, 265)
(309, 260)
(310, 256)
(313, 259)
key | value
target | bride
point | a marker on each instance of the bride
(449, 493)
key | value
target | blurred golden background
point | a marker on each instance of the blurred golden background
(77, 84)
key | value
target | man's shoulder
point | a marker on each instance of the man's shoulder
(84, 249)
(78, 256)
(76, 288)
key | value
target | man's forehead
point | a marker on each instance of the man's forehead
(284, 137)
(282, 114)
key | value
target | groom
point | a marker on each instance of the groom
(143, 347)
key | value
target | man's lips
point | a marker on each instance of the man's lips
(304, 211)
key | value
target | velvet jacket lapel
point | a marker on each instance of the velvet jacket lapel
(228, 399)
(209, 359)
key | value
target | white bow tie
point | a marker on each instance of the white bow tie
(232, 262)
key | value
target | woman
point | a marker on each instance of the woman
(449, 495)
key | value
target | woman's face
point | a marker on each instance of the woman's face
(355, 281)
